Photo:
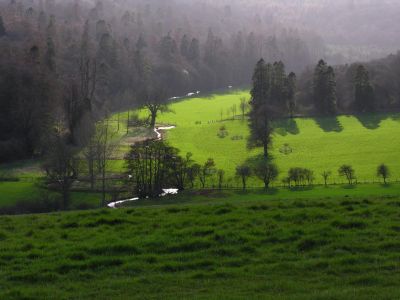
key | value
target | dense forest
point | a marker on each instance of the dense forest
(71, 62)
(66, 64)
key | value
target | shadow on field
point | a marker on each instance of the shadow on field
(270, 191)
(255, 160)
(329, 124)
(349, 186)
(286, 126)
(372, 121)
(301, 188)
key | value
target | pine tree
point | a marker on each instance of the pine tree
(184, 47)
(278, 93)
(168, 48)
(330, 100)
(194, 50)
(290, 93)
(85, 41)
(260, 127)
(363, 91)
(2, 28)
(210, 49)
(324, 89)
(50, 55)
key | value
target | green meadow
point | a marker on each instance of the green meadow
(320, 144)
(342, 248)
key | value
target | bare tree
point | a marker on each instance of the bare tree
(221, 176)
(348, 172)
(59, 163)
(104, 148)
(207, 170)
(79, 97)
(325, 176)
(244, 106)
(192, 173)
(243, 172)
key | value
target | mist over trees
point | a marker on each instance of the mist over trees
(74, 62)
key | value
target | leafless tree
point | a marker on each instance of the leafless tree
(326, 175)
(104, 147)
(59, 164)
(80, 94)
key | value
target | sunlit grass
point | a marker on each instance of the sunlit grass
(321, 144)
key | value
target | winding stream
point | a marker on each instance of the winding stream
(166, 192)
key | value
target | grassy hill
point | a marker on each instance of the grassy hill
(320, 144)
(243, 247)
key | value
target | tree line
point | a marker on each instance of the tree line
(72, 62)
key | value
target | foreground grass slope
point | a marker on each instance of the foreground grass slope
(320, 144)
(227, 249)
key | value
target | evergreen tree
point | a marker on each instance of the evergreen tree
(184, 47)
(42, 21)
(324, 89)
(2, 28)
(278, 88)
(85, 41)
(210, 49)
(330, 101)
(50, 57)
(291, 93)
(194, 50)
(168, 48)
(260, 127)
(364, 92)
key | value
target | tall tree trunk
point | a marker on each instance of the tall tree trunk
(153, 120)
(127, 123)
(91, 174)
(265, 150)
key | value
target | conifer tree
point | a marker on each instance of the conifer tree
(260, 125)
(363, 91)
(50, 56)
(324, 89)
(194, 50)
(2, 28)
(290, 93)
(184, 47)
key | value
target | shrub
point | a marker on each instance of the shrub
(348, 172)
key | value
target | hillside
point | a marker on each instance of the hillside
(232, 249)
(320, 144)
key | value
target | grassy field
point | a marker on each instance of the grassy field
(320, 144)
(243, 247)
(26, 193)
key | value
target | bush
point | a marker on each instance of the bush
(348, 172)
(300, 176)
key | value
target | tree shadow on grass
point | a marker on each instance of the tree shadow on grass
(301, 188)
(255, 160)
(349, 186)
(262, 191)
(371, 121)
(286, 126)
(329, 124)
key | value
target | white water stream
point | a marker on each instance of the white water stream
(165, 191)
